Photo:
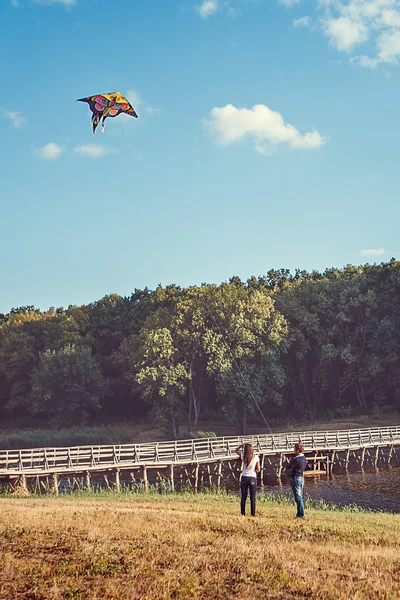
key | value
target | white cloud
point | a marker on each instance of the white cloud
(365, 61)
(233, 12)
(152, 111)
(93, 150)
(345, 33)
(390, 17)
(373, 252)
(288, 3)
(49, 151)
(136, 101)
(302, 22)
(17, 119)
(66, 3)
(349, 24)
(15, 3)
(264, 126)
(389, 46)
(134, 98)
(207, 8)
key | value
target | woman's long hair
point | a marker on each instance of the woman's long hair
(248, 453)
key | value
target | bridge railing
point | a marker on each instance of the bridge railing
(80, 457)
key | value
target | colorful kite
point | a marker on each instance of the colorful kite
(108, 105)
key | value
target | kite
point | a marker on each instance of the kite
(107, 105)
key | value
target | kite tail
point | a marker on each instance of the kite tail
(95, 121)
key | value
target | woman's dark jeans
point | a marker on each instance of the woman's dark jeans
(297, 484)
(248, 483)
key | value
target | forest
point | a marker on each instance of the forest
(289, 345)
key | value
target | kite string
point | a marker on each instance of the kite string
(239, 370)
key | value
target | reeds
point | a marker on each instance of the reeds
(72, 436)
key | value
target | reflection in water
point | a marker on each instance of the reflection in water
(376, 490)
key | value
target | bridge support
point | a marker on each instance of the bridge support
(145, 480)
(55, 483)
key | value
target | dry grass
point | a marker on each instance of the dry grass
(192, 547)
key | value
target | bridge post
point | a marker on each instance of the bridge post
(45, 461)
(219, 474)
(55, 483)
(280, 466)
(376, 457)
(209, 475)
(145, 480)
(362, 458)
(262, 468)
(347, 459)
(22, 484)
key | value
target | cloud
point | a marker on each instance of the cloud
(264, 126)
(389, 46)
(152, 111)
(49, 151)
(373, 252)
(207, 8)
(349, 24)
(365, 61)
(134, 98)
(93, 150)
(288, 3)
(66, 3)
(15, 3)
(345, 33)
(302, 22)
(232, 12)
(136, 101)
(17, 119)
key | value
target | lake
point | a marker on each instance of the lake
(376, 490)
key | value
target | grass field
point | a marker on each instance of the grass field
(186, 546)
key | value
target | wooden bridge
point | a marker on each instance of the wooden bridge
(191, 463)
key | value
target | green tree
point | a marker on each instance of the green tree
(243, 347)
(67, 386)
(206, 334)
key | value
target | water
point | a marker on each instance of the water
(375, 490)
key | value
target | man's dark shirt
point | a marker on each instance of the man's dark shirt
(297, 466)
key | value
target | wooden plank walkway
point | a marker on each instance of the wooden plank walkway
(79, 459)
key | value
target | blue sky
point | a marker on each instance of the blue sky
(267, 137)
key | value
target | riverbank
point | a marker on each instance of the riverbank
(185, 546)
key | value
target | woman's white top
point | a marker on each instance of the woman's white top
(250, 470)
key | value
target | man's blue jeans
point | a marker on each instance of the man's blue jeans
(297, 484)
(246, 484)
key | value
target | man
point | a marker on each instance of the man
(297, 466)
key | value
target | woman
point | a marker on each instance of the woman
(250, 468)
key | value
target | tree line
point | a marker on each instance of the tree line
(286, 345)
